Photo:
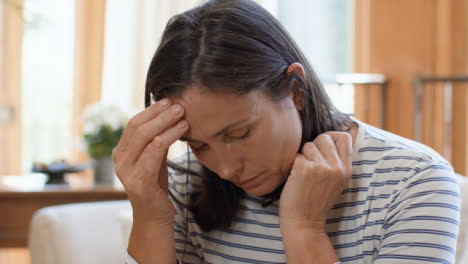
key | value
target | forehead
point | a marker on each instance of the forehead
(207, 112)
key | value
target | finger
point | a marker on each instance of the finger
(344, 145)
(148, 131)
(303, 167)
(170, 137)
(152, 111)
(299, 163)
(327, 148)
(311, 152)
(141, 118)
(155, 153)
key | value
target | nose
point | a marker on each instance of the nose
(230, 170)
(229, 166)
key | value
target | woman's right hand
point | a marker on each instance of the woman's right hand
(140, 160)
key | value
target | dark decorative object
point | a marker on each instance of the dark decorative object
(57, 169)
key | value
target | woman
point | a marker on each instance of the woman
(276, 173)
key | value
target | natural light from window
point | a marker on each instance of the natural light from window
(48, 50)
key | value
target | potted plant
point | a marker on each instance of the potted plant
(103, 127)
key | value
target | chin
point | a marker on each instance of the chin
(260, 191)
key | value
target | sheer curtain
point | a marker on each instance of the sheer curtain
(47, 77)
(132, 34)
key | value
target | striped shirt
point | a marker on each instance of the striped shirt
(402, 205)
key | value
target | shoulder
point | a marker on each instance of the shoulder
(395, 163)
(379, 144)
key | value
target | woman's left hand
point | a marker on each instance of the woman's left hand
(318, 176)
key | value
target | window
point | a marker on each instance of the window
(323, 30)
(47, 61)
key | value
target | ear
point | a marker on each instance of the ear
(297, 69)
(297, 97)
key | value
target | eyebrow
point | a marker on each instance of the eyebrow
(219, 132)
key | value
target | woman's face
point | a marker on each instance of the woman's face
(248, 140)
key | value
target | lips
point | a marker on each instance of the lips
(246, 182)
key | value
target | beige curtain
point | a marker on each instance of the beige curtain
(11, 34)
(89, 35)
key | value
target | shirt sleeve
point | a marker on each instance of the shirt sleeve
(423, 219)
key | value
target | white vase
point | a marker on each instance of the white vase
(104, 171)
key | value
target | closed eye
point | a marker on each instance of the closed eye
(245, 135)
(198, 149)
(203, 146)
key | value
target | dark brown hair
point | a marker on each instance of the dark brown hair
(234, 46)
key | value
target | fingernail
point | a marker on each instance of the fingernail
(176, 109)
(182, 124)
(164, 102)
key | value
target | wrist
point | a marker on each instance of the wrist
(149, 218)
(300, 225)
(295, 236)
(150, 242)
(152, 224)
(307, 243)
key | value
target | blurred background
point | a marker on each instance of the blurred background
(395, 64)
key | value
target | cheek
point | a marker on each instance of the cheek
(275, 143)
(286, 138)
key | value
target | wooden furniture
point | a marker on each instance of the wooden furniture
(450, 139)
(21, 196)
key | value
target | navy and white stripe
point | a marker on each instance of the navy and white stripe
(402, 205)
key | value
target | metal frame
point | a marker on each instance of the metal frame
(448, 81)
(362, 79)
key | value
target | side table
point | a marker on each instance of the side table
(20, 200)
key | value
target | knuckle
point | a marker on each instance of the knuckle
(347, 137)
(308, 145)
(115, 155)
(326, 136)
(339, 135)
(322, 138)
(309, 168)
(158, 144)
(133, 123)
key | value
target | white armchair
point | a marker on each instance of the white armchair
(98, 232)
(80, 233)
